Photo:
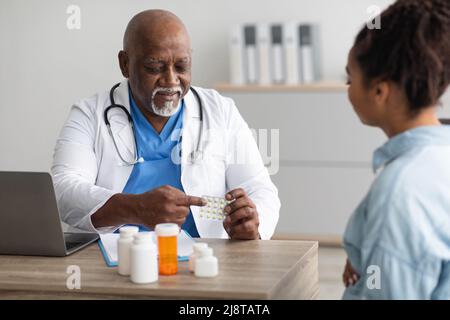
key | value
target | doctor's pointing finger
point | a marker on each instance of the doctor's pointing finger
(147, 149)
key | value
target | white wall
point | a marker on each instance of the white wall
(45, 67)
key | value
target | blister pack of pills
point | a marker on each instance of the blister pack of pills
(214, 208)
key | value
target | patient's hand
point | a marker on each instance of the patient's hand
(350, 276)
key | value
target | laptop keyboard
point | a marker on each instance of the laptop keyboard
(76, 240)
(71, 245)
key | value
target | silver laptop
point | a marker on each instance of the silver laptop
(29, 218)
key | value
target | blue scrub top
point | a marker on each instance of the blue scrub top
(158, 169)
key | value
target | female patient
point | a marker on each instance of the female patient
(398, 239)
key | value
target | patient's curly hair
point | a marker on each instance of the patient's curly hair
(412, 49)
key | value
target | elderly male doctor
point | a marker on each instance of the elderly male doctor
(167, 145)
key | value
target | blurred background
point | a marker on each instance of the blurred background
(324, 151)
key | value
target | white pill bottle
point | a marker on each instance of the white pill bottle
(123, 248)
(206, 265)
(144, 259)
(196, 248)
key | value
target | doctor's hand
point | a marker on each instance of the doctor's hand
(166, 205)
(242, 220)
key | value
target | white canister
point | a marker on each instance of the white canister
(123, 248)
(144, 259)
(196, 248)
(206, 265)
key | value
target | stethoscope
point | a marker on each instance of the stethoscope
(195, 155)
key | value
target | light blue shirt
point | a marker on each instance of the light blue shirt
(160, 152)
(398, 239)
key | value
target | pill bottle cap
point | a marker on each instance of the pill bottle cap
(143, 237)
(205, 252)
(167, 229)
(128, 231)
(198, 246)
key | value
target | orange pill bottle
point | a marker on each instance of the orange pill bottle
(167, 235)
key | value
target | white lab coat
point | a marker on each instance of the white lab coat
(87, 170)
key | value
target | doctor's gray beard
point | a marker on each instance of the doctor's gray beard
(168, 109)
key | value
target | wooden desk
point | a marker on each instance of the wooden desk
(247, 270)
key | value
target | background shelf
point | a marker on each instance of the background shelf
(313, 87)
